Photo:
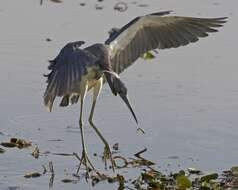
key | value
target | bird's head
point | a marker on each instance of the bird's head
(118, 87)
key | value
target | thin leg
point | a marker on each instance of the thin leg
(107, 150)
(84, 159)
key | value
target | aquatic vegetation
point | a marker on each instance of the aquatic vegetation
(16, 142)
(32, 175)
(146, 177)
(36, 153)
(2, 150)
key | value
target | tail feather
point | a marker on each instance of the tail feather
(65, 101)
(74, 98)
(49, 100)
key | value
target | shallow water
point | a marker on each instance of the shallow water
(185, 99)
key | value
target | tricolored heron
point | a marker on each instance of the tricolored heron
(75, 71)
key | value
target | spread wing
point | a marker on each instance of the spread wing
(156, 31)
(66, 71)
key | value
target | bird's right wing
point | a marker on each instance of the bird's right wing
(67, 70)
(156, 31)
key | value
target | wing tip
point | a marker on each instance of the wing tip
(223, 19)
(49, 106)
(65, 101)
(48, 101)
(49, 109)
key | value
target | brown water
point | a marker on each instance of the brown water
(185, 99)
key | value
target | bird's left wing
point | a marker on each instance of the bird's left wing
(156, 31)
(67, 70)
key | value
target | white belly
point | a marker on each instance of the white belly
(92, 83)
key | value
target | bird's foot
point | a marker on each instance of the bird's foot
(107, 154)
(84, 160)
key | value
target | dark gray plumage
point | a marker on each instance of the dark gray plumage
(75, 71)
(67, 69)
(152, 31)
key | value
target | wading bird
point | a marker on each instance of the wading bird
(75, 71)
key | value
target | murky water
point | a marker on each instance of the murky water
(185, 99)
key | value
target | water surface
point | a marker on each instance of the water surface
(185, 99)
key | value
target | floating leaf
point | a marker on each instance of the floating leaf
(141, 162)
(209, 177)
(82, 4)
(56, 1)
(2, 150)
(183, 182)
(66, 180)
(32, 175)
(20, 143)
(36, 153)
(8, 144)
(234, 170)
(194, 171)
(150, 175)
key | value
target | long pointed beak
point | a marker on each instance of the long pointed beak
(125, 99)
